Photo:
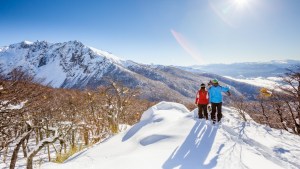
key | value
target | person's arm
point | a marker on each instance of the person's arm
(197, 98)
(226, 89)
(209, 95)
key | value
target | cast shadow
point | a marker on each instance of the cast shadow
(195, 149)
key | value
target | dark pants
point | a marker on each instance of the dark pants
(202, 108)
(215, 106)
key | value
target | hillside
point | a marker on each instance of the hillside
(168, 136)
(75, 65)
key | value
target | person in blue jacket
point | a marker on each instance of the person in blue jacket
(215, 98)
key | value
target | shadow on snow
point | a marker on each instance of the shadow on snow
(195, 149)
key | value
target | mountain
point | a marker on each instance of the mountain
(160, 140)
(75, 65)
(246, 70)
(60, 65)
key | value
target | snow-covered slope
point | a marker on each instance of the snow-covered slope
(59, 64)
(269, 82)
(168, 136)
(75, 65)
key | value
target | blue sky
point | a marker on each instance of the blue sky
(169, 32)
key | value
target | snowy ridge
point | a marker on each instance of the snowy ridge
(58, 64)
(169, 136)
(106, 54)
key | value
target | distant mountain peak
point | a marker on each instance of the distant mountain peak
(27, 42)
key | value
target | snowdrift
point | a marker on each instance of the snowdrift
(169, 136)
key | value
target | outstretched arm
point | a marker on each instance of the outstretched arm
(226, 89)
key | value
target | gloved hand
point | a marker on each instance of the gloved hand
(228, 93)
(209, 108)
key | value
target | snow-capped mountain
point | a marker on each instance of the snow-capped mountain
(75, 65)
(160, 140)
(60, 64)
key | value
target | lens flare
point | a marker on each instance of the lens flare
(232, 11)
(184, 43)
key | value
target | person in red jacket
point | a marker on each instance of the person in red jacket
(202, 101)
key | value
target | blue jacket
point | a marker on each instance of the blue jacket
(215, 93)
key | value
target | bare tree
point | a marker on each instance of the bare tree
(118, 98)
(29, 111)
(277, 103)
(292, 88)
(241, 105)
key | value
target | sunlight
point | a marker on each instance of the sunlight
(232, 11)
(241, 3)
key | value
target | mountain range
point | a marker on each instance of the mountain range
(273, 68)
(74, 65)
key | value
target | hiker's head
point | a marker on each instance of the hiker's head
(202, 86)
(215, 82)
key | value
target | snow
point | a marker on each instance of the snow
(54, 73)
(60, 64)
(17, 106)
(169, 136)
(270, 82)
(46, 140)
(27, 42)
(3, 48)
(106, 54)
(123, 127)
(129, 63)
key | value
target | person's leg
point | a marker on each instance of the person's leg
(213, 111)
(205, 111)
(200, 115)
(219, 107)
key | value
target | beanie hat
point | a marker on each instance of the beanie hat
(215, 81)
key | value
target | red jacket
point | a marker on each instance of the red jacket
(202, 97)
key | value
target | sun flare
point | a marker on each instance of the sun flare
(241, 3)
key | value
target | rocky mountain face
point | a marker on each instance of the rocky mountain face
(66, 64)
(74, 65)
